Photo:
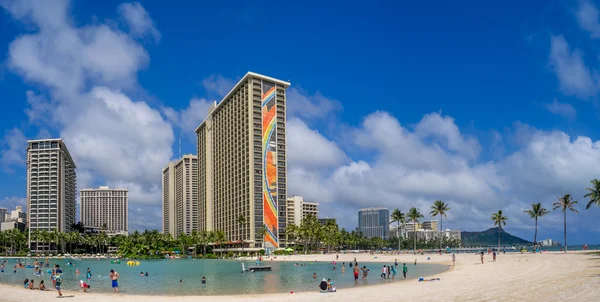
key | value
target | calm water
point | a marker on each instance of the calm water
(224, 277)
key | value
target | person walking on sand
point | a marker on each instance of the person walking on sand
(481, 257)
(494, 257)
(453, 260)
(114, 276)
(404, 270)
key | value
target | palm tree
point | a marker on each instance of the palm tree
(565, 203)
(219, 237)
(262, 233)
(398, 216)
(594, 193)
(499, 220)
(440, 208)
(536, 212)
(241, 221)
(414, 215)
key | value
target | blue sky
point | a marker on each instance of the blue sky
(483, 105)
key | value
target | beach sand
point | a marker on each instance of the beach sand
(540, 277)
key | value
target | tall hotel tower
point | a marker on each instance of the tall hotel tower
(51, 187)
(242, 163)
(180, 196)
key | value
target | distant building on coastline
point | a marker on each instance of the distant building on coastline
(15, 219)
(324, 221)
(374, 222)
(106, 209)
(180, 196)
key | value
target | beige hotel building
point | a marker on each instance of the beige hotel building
(180, 196)
(106, 208)
(242, 163)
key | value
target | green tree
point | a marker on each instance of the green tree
(440, 208)
(398, 217)
(499, 220)
(535, 213)
(414, 215)
(219, 237)
(593, 193)
(242, 222)
(565, 203)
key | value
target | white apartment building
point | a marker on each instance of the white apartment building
(297, 209)
(180, 196)
(106, 208)
(51, 188)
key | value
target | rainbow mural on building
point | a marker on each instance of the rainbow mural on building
(269, 120)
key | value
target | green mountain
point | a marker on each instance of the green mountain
(489, 237)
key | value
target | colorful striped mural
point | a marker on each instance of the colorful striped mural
(269, 120)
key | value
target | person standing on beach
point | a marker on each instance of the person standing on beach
(494, 257)
(114, 276)
(481, 257)
(355, 272)
(453, 260)
(404, 270)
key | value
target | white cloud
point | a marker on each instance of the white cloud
(411, 169)
(117, 138)
(84, 73)
(217, 85)
(587, 17)
(307, 148)
(302, 104)
(138, 19)
(12, 151)
(561, 109)
(444, 129)
(189, 118)
(11, 202)
(574, 77)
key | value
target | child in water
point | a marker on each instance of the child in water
(203, 280)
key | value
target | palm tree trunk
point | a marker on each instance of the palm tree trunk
(398, 236)
(535, 236)
(441, 228)
(499, 227)
(415, 242)
(565, 230)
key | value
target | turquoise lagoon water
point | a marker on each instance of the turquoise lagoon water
(223, 277)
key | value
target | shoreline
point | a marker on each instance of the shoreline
(552, 276)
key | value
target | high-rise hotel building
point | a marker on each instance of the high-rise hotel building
(51, 187)
(374, 222)
(180, 196)
(106, 209)
(242, 163)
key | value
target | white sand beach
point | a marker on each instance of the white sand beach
(541, 277)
